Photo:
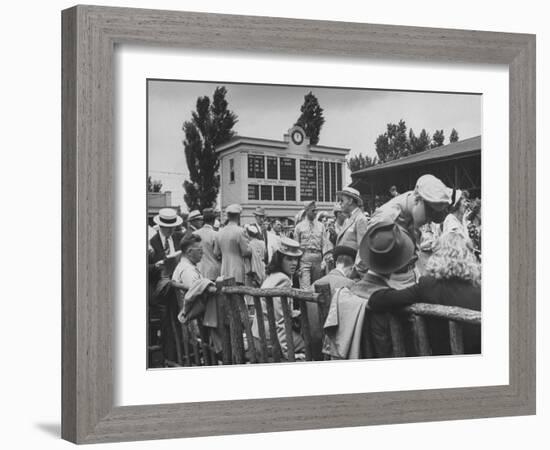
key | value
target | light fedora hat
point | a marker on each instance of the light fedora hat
(289, 247)
(194, 215)
(386, 247)
(167, 217)
(235, 208)
(351, 192)
(259, 211)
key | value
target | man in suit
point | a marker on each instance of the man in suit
(232, 245)
(355, 226)
(164, 243)
(209, 265)
(259, 216)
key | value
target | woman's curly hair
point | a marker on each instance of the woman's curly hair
(454, 257)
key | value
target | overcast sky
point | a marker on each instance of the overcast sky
(353, 117)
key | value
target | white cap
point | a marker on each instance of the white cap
(433, 190)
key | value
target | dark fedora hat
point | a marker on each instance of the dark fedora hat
(386, 247)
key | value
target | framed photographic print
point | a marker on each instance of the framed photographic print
(191, 138)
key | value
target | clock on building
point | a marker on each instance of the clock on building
(297, 137)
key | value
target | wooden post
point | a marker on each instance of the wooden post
(396, 336)
(273, 329)
(235, 330)
(287, 316)
(421, 341)
(261, 328)
(324, 303)
(185, 339)
(306, 331)
(456, 339)
(239, 300)
(204, 343)
(221, 305)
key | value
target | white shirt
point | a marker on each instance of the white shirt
(186, 273)
(170, 243)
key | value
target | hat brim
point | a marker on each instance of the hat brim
(190, 219)
(291, 253)
(385, 264)
(349, 194)
(158, 220)
(258, 214)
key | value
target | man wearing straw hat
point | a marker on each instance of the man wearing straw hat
(163, 244)
(355, 226)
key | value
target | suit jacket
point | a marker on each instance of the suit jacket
(233, 247)
(209, 265)
(353, 231)
(156, 253)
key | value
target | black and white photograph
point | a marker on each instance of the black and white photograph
(311, 224)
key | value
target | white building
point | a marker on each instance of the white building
(280, 176)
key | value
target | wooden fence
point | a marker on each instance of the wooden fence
(236, 343)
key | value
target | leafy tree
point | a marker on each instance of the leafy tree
(438, 139)
(454, 136)
(393, 144)
(423, 142)
(153, 185)
(211, 125)
(311, 119)
(361, 161)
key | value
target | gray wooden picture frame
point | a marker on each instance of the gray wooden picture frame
(89, 37)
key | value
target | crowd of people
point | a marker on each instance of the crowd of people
(420, 246)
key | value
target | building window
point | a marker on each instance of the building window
(327, 181)
(287, 169)
(256, 167)
(253, 192)
(308, 180)
(231, 170)
(291, 193)
(332, 182)
(272, 168)
(320, 182)
(266, 191)
(279, 193)
(338, 176)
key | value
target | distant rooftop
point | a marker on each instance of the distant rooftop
(455, 150)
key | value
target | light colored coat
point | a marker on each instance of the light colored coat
(233, 247)
(355, 228)
(209, 265)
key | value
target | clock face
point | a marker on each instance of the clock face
(297, 137)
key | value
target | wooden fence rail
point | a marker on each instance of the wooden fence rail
(278, 326)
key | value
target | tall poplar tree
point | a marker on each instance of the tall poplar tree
(311, 119)
(211, 125)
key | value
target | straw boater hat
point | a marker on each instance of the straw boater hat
(289, 247)
(351, 192)
(386, 247)
(259, 211)
(194, 215)
(167, 217)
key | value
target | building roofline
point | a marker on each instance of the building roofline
(242, 140)
(421, 158)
